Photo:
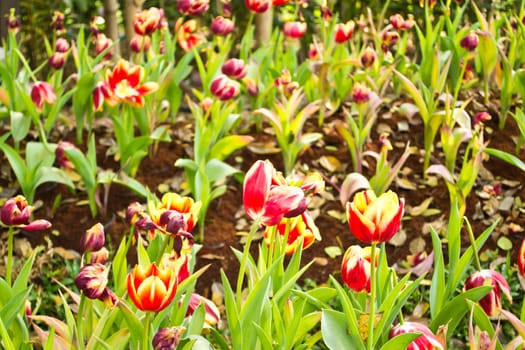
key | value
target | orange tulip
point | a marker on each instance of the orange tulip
(151, 288)
(299, 226)
(124, 84)
(375, 219)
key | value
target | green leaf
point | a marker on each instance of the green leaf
(197, 321)
(217, 170)
(22, 279)
(20, 125)
(413, 91)
(223, 148)
(437, 288)
(335, 332)
(507, 157)
(400, 341)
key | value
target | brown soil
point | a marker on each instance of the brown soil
(70, 220)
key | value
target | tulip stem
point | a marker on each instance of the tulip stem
(80, 321)
(245, 253)
(371, 314)
(473, 243)
(145, 338)
(9, 266)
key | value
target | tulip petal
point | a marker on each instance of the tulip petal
(281, 200)
(257, 187)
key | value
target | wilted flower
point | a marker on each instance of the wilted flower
(234, 68)
(294, 30)
(96, 25)
(221, 26)
(168, 338)
(147, 22)
(360, 93)
(93, 239)
(123, 84)
(470, 41)
(355, 268)
(187, 35)
(481, 117)
(57, 22)
(139, 43)
(264, 201)
(213, 314)
(13, 22)
(426, 341)
(42, 92)
(193, 7)
(297, 227)
(151, 288)
(375, 219)
(389, 38)
(521, 259)
(224, 88)
(344, 31)
(368, 57)
(491, 303)
(258, 6)
(92, 280)
(100, 256)
(251, 86)
(57, 60)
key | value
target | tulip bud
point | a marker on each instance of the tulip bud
(491, 303)
(368, 57)
(61, 45)
(57, 60)
(92, 280)
(355, 268)
(213, 314)
(140, 43)
(224, 88)
(100, 93)
(390, 38)
(521, 259)
(102, 42)
(147, 22)
(42, 92)
(57, 22)
(470, 41)
(168, 338)
(234, 68)
(93, 239)
(397, 21)
(251, 86)
(481, 117)
(344, 31)
(258, 6)
(13, 22)
(426, 341)
(15, 211)
(96, 25)
(100, 256)
(294, 30)
(360, 93)
(221, 26)
(314, 51)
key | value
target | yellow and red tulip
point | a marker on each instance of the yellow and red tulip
(426, 341)
(491, 303)
(225, 88)
(124, 84)
(186, 206)
(294, 30)
(147, 22)
(187, 35)
(151, 288)
(355, 268)
(375, 219)
(258, 6)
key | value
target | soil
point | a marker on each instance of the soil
(157, 171)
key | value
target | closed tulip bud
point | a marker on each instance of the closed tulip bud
(221, 26)
(206, 104)
(213, 314)
(258, 6)
(360, 93)
(375, 219)
(355, 268)
(42, 92)
(93, 239)
(224, 88)
(57, 60)
(140, 43)
(344, 31)
(92, 280)
(168, 338)
(470, 41)
(100, 256)
(193, 7)
(426, 341)
(521, 259)
(294, 30)
(151, 288)
(61, 45)
(491, 303)
(368, 57)
(234, 68)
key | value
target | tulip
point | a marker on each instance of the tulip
(299, 226)
(16, 212)
(57, 60)
(470, 41)
(151, 288)
(92, 280)
(355, 268)
(13, 22)
(96, 25)
(193, 7)
(93, 239)
(344, 31)
(491, 303)
(294, 30)
(314, 51)
(390, 38)
(187, 35)
(258, 6)
(375, 219)
(426, 341)
(140, 43)
(147, 22)
(57, 22)
(368, 57)
(265, 202)
(177, 262)
(251, 86)
(43, 92)
(213, 314)
(61, 45)
(102, 42)
(100, 93)
(360, 93)
(234, 68)
(60, 154)
(183, 205)
(99, 256)
(123, 84)
(521, 259)
(224, 88)
(221, 26)
(168, 338)
(280, 2)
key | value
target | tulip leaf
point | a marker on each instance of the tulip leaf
(263, 337)
(232, 311)
(134, 324)
(229, 144)
(6, 338)
(483, 322)
(20, 124)
(349, 311)
(196, 322)
(219, 342)
(9, 311)
(120, 266)
(437, 288)
(507, 157)
(22, 279)
(217, 170)
(400, 341)
(335, 332)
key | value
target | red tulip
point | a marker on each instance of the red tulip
(43, 92)
(294, 30)
(344, 31)
(491, 302)
(147, 22)
(360, 93)
(213, 314)
(368, 57)
(258, 6)
(100, 93)
(355, 268)
(224, 88)
(280, 2)
(375, 219)
(151, 288)
(16, 212)
(140, 43)
(193, 7)
(221, 26)
(265, 202)
(299, 226)
(234, 68)
(102, 42)
(61, 45)
(426, 341)
(57, 60)
(123, 84)
(470, 41)
(521, 259)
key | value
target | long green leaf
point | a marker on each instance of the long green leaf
(507, 157)
(335, 333)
